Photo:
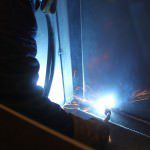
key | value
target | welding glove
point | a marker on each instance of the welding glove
(92, 132)
(49, 6)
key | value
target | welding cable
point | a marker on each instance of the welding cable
(60, 54)
(50, 57)
(82, 51)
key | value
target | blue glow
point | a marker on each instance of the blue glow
(56, 92)
(107, 101)
(42, 46)
(62, 62)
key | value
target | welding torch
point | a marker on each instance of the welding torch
(107, 114)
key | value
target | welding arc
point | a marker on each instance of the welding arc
(50, 58)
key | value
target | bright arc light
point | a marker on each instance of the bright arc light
(104, 102)
(109, 101)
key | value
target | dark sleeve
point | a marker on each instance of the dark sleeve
(18, 28)
(19, 68)
(41, 109)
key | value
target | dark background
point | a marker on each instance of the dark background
(114, 38)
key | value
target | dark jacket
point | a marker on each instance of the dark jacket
(19, 67)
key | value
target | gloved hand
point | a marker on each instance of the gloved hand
(92, 132)
(49, 6)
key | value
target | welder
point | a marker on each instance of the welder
(19, 73)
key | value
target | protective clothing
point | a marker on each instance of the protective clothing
(19, 73)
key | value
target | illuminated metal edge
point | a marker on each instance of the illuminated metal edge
(131, 122)
(119, 115)
(138, 129)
